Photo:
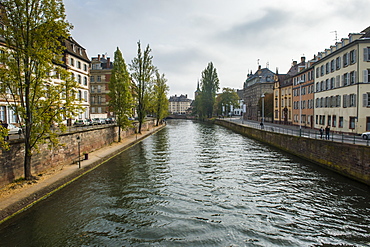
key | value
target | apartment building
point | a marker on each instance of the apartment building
(303, 95)
(100, 74)
(78, 63)
(179, 104)
(342, 85)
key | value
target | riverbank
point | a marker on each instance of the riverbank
(17, 197)
(347, 159)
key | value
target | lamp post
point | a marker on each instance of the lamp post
(79, 151)
(263, 109)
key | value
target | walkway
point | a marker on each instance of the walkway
(17, 197)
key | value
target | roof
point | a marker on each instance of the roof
(75, 49)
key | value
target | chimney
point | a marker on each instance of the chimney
(303, 59)
(103, 55)
(98, 57)
(294, 63)
(108, 62)
(259, 67)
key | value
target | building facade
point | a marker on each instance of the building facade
(256, 85)
(100, 74)
(179, 104)
(77, 62)
(342, 85)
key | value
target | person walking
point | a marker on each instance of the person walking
(327, 132)
(321, 132)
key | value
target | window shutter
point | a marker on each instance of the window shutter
(364, 99)
(354, 100)
(365, 76)
(366, 55)
(343, 80)
(354, 55)
(339, 100)
(354, 77)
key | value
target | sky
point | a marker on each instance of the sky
(235, 35)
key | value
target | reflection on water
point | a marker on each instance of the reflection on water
(194, 184)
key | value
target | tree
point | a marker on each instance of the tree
(38, 88)
(225, 100)
(160, 97)
(209, 86)
(142, 71)
(120, 93)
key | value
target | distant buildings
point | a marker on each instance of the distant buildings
(179, 104)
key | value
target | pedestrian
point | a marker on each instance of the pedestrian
(261, 125)
(327, 132)
(321, 132)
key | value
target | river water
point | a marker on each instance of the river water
(193, 184)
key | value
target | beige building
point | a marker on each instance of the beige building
(179, 104)
(77, 62)
(342, 85)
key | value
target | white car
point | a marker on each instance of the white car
(365, 135)
(14, 130)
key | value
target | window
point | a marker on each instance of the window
(334, 121)
(332, 66)
(317, 72)
(327, 68)
(317, 87)
(79, 96)
(345, 100)
(337, 81)
(329, 120)
(85, 96)
(345, 59)
(85, 67)
(340, 122)
(2, 113)
(93, 100)
(352, 122)
(367, 54)
(99, 78)
(352, 100)
(345, 79)
(337, 63)
(327, 84)
(92, 78)
(79, 79)
(85, 80)
(352, 56)
(366, 75)
(352, 77)
(322, 70)
(332, 83)
(366, 100)
(99, 89)
(72, 62)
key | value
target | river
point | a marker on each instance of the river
(195, 184)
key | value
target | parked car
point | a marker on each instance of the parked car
(14, 130)
(89, 121)
(81, 122)
(110, 120)
(365, 135)
(99, 120)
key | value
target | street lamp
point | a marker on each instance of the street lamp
(79, 151)
(263, 109)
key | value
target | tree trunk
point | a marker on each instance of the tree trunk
(27, 162)
(119, 133)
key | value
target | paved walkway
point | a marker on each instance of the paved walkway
(15, 198)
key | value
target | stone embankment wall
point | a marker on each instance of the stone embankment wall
(347, 159)
(66, 153)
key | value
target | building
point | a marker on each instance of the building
(77, 62)
(238, 111)
(303, 95)
(256, 85)
(179, 104)
(342, 85)
(100, 74)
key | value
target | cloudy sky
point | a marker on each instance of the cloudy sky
(236, 35)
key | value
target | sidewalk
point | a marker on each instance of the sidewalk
(17, 197)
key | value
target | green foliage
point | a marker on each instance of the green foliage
(39, 90)
(120, 92)
(142, 70)
(225, 100)
(160, 100)
(209, 84)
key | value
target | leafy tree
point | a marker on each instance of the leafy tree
(160, 97)
(142, 70)
(121, 99)
(226, 99)
(209, 86)
(37, 87)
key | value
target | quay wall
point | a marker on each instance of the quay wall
(347, 159)
(66, 153)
